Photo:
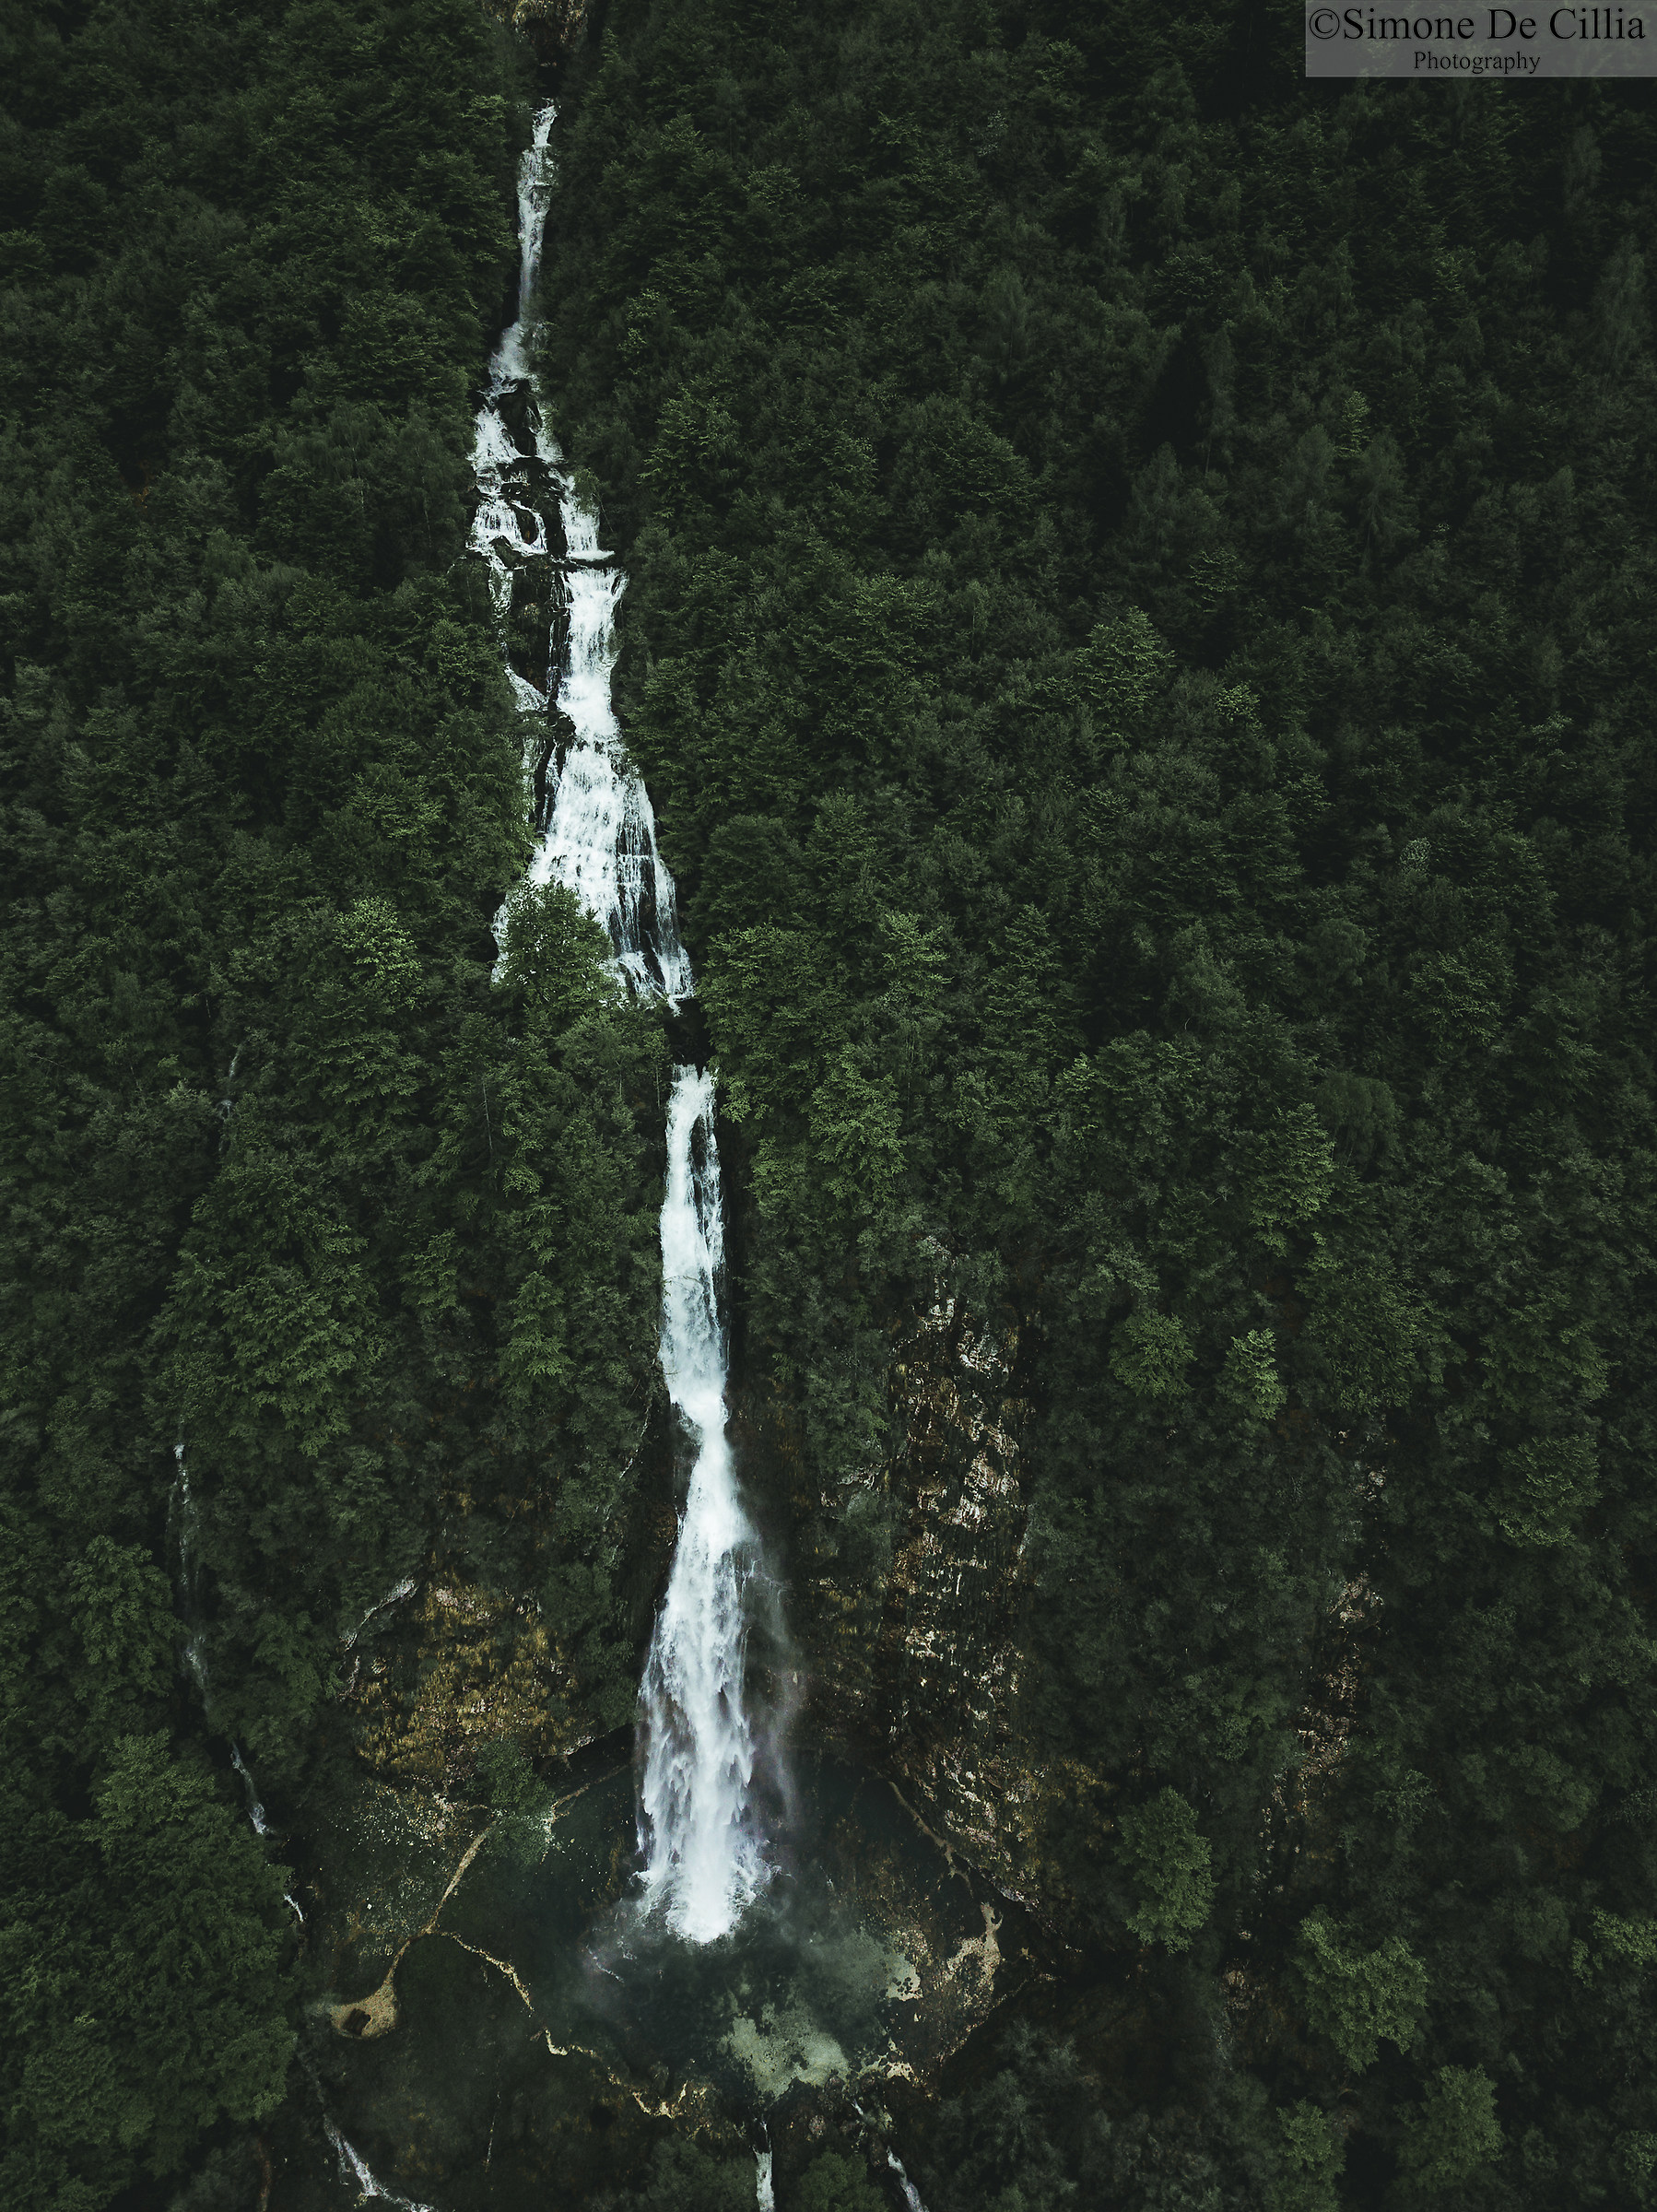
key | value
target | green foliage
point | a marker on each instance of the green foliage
(1250, 1378)
(1547, 1484)
(683, 2177)
(553, 957)
(1077, 501)
(124, 1611)
(287, 1173)
(1368, 1331)
(1636, 2163)
(1138, 634)
(833, 2183)
(1120, 672)
(1452, 2132)
(1617, 1942)
(1310, 2158)
(1149, 1354)
(857, 1135)
(292, 1332)
(1031, 2133)
(1170, 1864)
(375, 941)
(1356, 1996)
(505, 1778)
(144, 1990)
(1291, 1170)
(1536, 1357)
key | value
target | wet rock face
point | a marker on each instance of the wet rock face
(907, 1588)
(462, 1664)
(551, 26)
(532, 546)
(474, 1665)
(537, 624)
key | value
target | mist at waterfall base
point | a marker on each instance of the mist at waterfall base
(550, 2081)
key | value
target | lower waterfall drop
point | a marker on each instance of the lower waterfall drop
(704, 1858)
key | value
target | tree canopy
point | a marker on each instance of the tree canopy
(1138, 640)
(326, 1253)
(1138, 636)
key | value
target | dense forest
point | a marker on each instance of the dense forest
(1138, 637)
(288, 1175)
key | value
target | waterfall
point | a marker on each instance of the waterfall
(255, 1811)
(395, 1596)
(184, 1506)
(704, 1857)
(353, 2173)
(601, 840)
(912, 2195)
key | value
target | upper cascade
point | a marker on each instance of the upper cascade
(601, 839)
(705, 1860)
(600, 836)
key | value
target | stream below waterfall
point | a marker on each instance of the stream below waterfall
(517, 2010)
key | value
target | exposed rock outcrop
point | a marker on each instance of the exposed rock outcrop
(551, 26)
(907, 1591)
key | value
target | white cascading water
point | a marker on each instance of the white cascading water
(704, 1857)
(353, 2173)
(601, 840)
(182, 1506)
(601, 837)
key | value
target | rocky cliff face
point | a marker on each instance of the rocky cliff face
(907, 1588)
(472, 1666)
(905, 1598)
(470, 1660)
(550, 27)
